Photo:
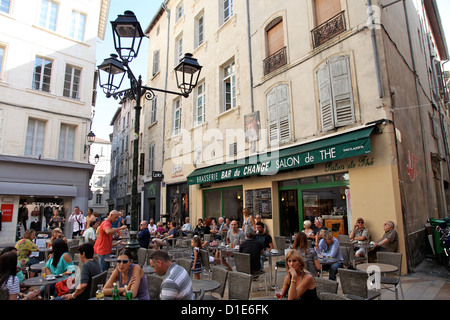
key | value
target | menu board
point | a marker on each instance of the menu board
(259, 201)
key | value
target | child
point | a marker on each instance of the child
(196, 244)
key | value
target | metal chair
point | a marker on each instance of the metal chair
(73, 250)
(96, 280)
(353, 260)
(242, 261)
(200, 295)
(154, 286)
(239, 285)
(393, 278)
(326, 285)
(354, 285)
(220, 275)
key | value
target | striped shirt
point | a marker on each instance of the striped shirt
(177, 285)
(12, 285)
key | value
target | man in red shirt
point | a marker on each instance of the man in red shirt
(103, 245)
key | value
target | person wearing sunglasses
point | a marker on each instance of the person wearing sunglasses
(128, 274)
(360, 233)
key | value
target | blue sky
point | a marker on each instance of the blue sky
(145, 10)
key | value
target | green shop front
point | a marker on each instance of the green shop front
(287, 186)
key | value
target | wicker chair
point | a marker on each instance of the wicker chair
(354, 285)
(393, 278)
(242, 261)
(185, 263)
(326, 285)
(154, 286)
(239, 285)
(281, 243)
(331, 296)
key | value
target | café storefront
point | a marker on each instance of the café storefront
(338, 177)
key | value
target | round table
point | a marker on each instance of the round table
(206, 285)
(38, 266)
(381, 267)
(38, 281)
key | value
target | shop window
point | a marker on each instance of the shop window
(226, 202)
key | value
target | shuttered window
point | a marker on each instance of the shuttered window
(335, 93)
(275, 38)
(278, 115)
(326, 9)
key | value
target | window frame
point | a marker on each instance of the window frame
(200, 95)
(47, 21)
(231, 80)
(66, 152)
(72, 90)
(37, 147)
(177, 111)
(75, 32)
(42, 75)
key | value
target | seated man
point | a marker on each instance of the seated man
(388, 243)
(265, 238)
(360, 233)
(329, 247)
(254, 248)
(176, 284)
(144, 235)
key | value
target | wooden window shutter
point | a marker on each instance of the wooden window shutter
(341, 87)
(326, 9)
(275, 38)
(325, 98)
(278, 115)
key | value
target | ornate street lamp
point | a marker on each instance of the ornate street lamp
(128, 35)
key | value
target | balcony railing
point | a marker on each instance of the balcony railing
(328, 29)
(275, 61)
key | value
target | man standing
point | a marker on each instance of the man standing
(143, 235)
(103, 244)
(78, 222)
(265, 239)
(176, 284)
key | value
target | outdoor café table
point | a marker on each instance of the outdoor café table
(207, 285)
(121, 297)
(382, 267)
(38, 266)
(270, 254)
(46, 251)
(49, 280)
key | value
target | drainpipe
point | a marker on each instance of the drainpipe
(165, 86)
(375, 48)
(250, 57)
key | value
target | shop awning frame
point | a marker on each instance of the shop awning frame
(35, 189)
(348, 144)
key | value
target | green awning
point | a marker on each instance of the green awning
(340, 146)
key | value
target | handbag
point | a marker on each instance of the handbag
(36, 212)
(61, 287)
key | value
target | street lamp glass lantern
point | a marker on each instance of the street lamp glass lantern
(127, 35)
(115, 72)
(187, 73)
(91, 137)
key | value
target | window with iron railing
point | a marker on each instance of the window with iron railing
(328, 30)
(275, 61)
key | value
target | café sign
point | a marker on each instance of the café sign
(279, 161)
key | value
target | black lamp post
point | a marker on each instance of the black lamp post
(128, 34)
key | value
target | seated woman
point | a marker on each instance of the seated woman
(9, 280)
(59, 262)
(309, 254)
(56, 234)
(25, 247)
(299, 284)
(128, 274)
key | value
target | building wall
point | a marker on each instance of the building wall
(23, 39)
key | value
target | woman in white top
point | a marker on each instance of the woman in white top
(249, 221)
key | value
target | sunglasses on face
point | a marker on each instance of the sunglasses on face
(123, 261)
